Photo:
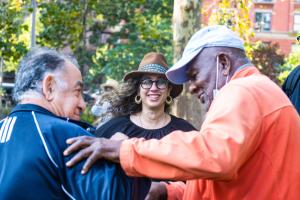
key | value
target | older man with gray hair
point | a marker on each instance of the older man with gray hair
(248, 145)
(48, 89)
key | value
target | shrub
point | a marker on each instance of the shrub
(267, 58)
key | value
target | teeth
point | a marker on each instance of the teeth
(153, 97)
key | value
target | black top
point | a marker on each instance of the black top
(124, 125)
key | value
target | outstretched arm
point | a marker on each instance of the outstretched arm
(227, 138)
(93, 149)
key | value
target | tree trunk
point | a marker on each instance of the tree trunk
(84, 67)
(33, 23)
(186, 21)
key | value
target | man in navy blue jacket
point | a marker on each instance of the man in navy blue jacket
(32, 137)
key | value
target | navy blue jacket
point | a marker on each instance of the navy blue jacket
(32, 165)
(291, 87)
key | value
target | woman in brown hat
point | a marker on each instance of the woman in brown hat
(142, 103)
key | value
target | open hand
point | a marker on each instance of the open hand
(93, 149)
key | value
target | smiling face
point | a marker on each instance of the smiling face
(67, 96)
(156, 95)
(202, 75)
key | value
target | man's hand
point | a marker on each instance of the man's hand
(158, 191)
(93, 149)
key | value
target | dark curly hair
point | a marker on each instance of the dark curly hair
(123, 101)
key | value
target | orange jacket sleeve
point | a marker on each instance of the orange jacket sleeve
(229, 134)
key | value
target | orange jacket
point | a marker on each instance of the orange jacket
(248, 147)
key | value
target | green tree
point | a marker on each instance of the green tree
(12, 47)
(12, 16)
(290, 62)
(65, 25)
(132, 28)
(268, 60)
(142, 26)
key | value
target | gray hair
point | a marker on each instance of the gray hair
(34, 66)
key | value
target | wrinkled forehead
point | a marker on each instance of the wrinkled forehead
(72, 69)
(71, 74)
(204, 59)
(193, 65)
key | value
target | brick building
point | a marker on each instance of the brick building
(276, 21)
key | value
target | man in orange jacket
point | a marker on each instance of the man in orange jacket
(248, 146)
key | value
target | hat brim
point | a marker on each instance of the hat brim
(176, 88)
(177, 73)
(139, 74)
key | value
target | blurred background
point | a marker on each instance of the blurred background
(110, 37)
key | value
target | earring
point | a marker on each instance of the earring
(169, 100)
(138, 99)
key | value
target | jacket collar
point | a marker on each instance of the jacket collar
(245, 71)
(32, 107)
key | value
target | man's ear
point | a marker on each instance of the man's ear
(49, 87)
(225, 63)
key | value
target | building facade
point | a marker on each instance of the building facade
(273, 21)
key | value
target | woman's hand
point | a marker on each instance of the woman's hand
(93, 149)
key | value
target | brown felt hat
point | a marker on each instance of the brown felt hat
(154, 63)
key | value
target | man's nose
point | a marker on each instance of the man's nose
(82, 104)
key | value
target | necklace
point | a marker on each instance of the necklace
(141, 120)
(160, 125)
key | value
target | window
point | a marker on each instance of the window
(297, 22)
(263, 21)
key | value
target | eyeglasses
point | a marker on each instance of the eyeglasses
(160, 83)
